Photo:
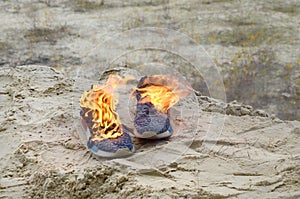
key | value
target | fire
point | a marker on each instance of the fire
(99, 106)
(163, 91)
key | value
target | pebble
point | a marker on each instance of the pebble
(4, 91)
(245, 111)
(122, 179)
(232, 108)
(261, 113)
(10, 118)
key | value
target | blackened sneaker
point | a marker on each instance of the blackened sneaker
(106, 136)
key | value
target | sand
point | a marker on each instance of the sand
(218, 150)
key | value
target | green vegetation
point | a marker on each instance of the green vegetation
(86, 5)
(252, 36)
(216, 1)
(132, 23)
(288, 8)
(4, 46)
(36, 35)
(245, 67)
(242, 21)
(255, 77)
(83, 5)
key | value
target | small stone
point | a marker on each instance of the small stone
(234, 102)
(81, 176)
(11, 118)
(233, 110)
(173, 164)
(4, 91)
(81, 186)
(248, 107)
(216, 108)
(71, 145)
(245, 111)
(122, 179)
(49, 184)
(205, 98)
(10, 113)
(236, 106)
(261, 113)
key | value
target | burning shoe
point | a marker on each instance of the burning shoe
(155, 96)
(120, 146)
(106, 136)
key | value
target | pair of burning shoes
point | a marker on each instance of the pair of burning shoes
(107, 137)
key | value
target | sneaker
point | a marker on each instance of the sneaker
(106, 136)
(151, 120)
(151, 124)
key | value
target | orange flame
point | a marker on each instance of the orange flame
(100, 103)
(163, 91)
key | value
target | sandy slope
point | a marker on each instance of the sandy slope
(42, 155)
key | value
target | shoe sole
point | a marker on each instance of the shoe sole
(152, 135)
(120, 153)
(123, 152)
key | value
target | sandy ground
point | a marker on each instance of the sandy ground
(211, 154)
(218, 150)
